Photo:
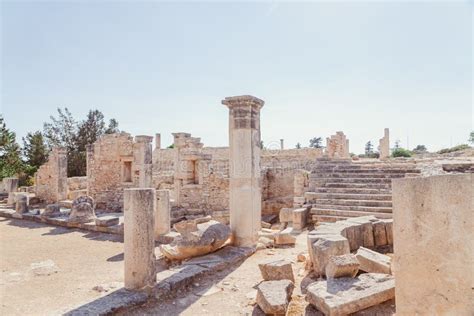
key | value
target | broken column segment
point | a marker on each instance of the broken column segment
(139, 241)
(384, 145)
(337, 146)
(157, 141)
(245, 177)
(11, 186)
(162, 213)
(142, 160)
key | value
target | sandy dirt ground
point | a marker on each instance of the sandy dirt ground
(47, 270)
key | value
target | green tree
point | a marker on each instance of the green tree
(35, 149)
(471, 138)
(420, 149)
(10, 153)
(298, 146)
(369, 148)
(113, 127)
(65, 131)
(315, 142)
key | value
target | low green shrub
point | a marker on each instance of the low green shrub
(401, 152)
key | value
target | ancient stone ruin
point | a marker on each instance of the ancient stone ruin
(368, 231)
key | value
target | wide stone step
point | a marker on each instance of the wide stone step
(345, 213)
(326, 218)
(351, 180)
(376, 209)
(345, 196)
(352, 190)
(386, 186)
(359, 169)
(348, 175)
(354, 202)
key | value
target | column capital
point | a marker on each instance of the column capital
(243, 100)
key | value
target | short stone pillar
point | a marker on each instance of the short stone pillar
(433, 235)
(162, 213)
(384, 145)
(139, 241)
(245, 191)
(282, 145)
(21, 206)
(10, 185)
(142, 160)
(157, 141)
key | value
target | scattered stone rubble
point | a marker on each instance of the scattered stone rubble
(82, 210)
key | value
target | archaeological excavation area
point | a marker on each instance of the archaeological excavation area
(240, 230)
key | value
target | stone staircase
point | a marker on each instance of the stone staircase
(340, 189)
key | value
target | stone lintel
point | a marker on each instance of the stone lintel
(143, 139)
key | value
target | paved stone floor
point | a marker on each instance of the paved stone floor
(48, 270)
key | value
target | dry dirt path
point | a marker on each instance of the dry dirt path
(83, 260)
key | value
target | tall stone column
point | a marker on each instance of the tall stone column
(62, 174)
(384, 145)
(162, 213)
(245, 181)
(157, 141)
(142, 160)
(139, 241)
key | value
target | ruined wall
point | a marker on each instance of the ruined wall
(278, 189)
(109, 170)
(433, 245)
(337, 146)
(51, 177)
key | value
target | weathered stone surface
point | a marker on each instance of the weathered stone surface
(434, 240)
(285, 237)
(21, 204)
(273, 297)
(299, 218)
(208, 237)
(82, 213)
(106, 221)
(277, 270)
(344, 296)
(51, 210)
(342, 266)
(380, 235)
(372, 261)
(326, 247)
(389, 230)
(83, 199)
(286, 215)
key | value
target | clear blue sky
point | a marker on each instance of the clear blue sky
(321, 67)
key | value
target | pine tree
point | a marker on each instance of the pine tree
(35, 149)
(10, 153)
(315, 142)
(369, 148)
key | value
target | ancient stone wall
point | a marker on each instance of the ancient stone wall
(278, 189)
(51, 177)
(109, 170)
(77, 183)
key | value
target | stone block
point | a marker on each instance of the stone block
(273, 297)
(434, 245)
(380, 235)
(277, 270)
(389, 230)
(326, 247)
(299, 218)
(344, 296)
(372, 261)
(21, 204)
(285, 237)
(286, 215)
(342, 266)
(106, 221)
